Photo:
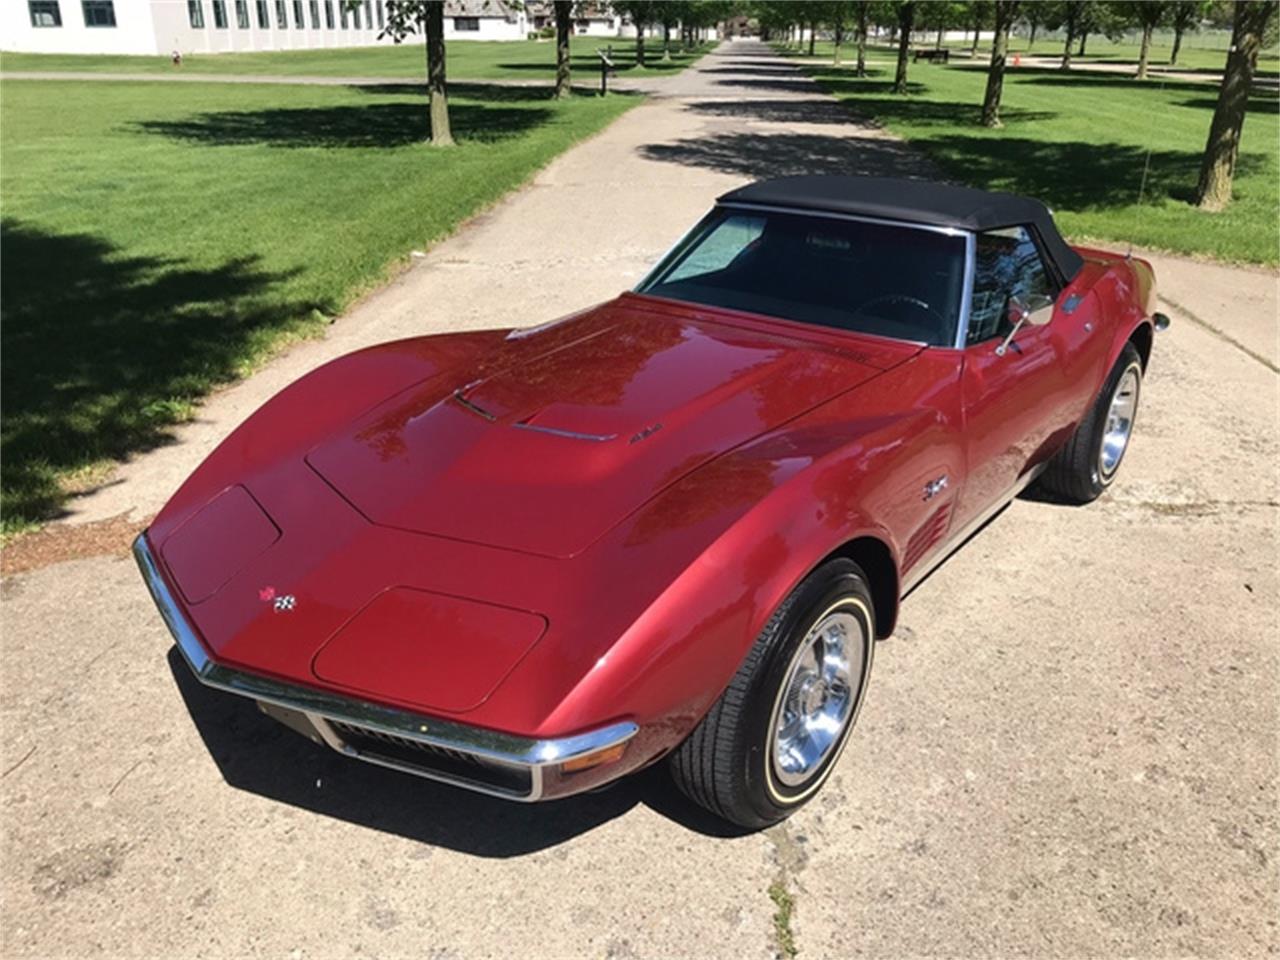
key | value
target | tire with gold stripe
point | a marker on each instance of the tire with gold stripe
(772, 739)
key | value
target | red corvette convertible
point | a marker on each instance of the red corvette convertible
(671, 526)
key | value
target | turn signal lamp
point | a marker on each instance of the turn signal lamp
(594, 759)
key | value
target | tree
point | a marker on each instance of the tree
(1034, 17)
(642, 13)
(1184, 15)
(407, 17)
(1070, 19)
(906, 19)
(564, 30)
(1217, 169)
(863, 12)
(978, 11)
(1148, 15)
(670, 14)
(1006, 10)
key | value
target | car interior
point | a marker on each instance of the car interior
(899, 282)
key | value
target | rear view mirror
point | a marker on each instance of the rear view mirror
(1035, 311)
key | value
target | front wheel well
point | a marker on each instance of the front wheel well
(876, 561)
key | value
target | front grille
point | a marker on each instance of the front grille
(430, 760)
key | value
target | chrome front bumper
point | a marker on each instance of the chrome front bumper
(517, 768)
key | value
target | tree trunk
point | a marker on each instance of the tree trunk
(813, 35)
(666, 42)
(1005, 12)
(1032, 42)
(1084, 38)
(564, 30)
(1217, 169)
(1066, 50)
(906, 14)
(861, 70)
(1144, 53)
(977, 32)
(838, 35)
(433, 27)
(938, 44)
(1177, 45)
(639, 44)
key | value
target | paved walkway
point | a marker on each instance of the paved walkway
(639, 84)
(1070, 745)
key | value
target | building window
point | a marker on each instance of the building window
(220, 14)
(264, 22)
(368, 13)
(242, 14)
(355, 16)
(382, 16)
(44, 13)
(195, 13)
(328, 13)
(98, 13)
(461, 24)
(282, 15)
(315, 14)
(342, 14)
(299, 20)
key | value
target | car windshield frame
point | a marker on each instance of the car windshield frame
(693, 237)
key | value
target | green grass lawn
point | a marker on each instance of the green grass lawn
(1201, 53)
(465, 60)
(160, 239)
(1079, 141)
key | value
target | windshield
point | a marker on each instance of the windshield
(891, 280)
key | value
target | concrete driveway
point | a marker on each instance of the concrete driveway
(1069, 748)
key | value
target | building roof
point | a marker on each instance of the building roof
(914, 201)
(581, 11)
(492, 9)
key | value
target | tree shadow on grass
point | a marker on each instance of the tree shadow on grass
(101, 350)
(494, 92)
(1257, 104)
(361, 126)
(865, 86)
(1074, 175)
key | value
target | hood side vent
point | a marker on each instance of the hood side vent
(461, 398)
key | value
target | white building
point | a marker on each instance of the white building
(485, 20)
(218, 26)
(589, 19)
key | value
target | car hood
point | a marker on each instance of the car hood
(570, 428)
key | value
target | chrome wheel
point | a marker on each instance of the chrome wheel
(1119, 425)
(818, 696)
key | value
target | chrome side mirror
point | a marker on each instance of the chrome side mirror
(1035, 311)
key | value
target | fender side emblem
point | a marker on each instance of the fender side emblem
(935, 487)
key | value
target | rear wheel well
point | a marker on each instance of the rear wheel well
(1141, 340)
(876, 561)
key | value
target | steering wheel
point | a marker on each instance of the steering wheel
(906, 300)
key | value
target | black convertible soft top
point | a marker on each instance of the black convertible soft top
(914, 201)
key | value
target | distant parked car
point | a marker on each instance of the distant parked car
(668, 527)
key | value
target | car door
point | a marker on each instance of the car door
(1020, 401)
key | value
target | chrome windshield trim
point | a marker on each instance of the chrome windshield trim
(840, 215)
(966, 291)
(487, 744)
